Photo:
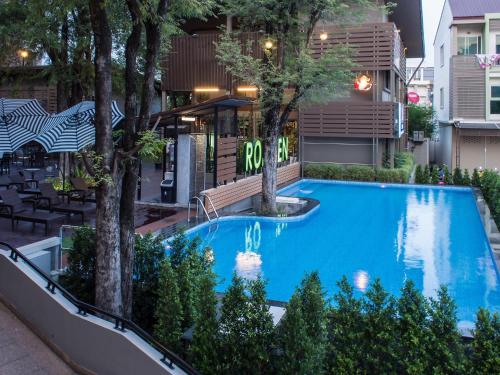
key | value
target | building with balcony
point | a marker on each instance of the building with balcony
(422, 83)
(467, 84)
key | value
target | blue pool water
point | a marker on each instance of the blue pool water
(431, 235)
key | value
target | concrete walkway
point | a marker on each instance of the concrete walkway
(23, 353)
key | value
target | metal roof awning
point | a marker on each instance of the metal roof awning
(204, 108)
(408, 17)
(481, 129)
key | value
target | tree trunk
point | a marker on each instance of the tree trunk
(270, 168)
(108, 267)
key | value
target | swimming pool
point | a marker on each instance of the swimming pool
(432, 235)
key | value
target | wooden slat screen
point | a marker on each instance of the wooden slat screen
(375, 46)
(191, 62)
(226, 159)
(46, 95)
(467, 88)
(226, 195)
(348, 119)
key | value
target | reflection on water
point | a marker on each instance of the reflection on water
(361, 280)
(248, 265)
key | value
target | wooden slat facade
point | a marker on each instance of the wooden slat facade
(348, 119)
(467, 88)
(226, 159)
(375, 46)
(191, 62)
(226, 195)
(46, 95)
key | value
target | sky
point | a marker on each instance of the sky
(431, 14)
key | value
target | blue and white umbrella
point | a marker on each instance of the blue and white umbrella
(21, 121)
(73, 129)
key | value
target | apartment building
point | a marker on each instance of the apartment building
(421, 86)
(467, 84)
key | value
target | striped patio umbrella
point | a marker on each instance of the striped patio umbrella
(73, 129)
(21, 121)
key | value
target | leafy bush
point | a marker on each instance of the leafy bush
(490, 187)
(403, 163)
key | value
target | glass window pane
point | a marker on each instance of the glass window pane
(495, 92)
(495, 107)
(479, 44)
(498, 44)
(461, 45)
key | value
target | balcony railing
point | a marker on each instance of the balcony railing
(348, 119)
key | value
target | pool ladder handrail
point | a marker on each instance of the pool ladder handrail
(200, 202)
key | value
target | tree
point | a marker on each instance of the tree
(203, 350)
(419, 175)
(150, 253)
(476, 178)
(445, 347)
(246, 327)
(412, 331)
(434, 175)
(458, 179)
(345, 332)
(379, 336)
(426, 175)
(485, 357)
(421, 118)
(167, 328)
(467, 180)
(145, 24)
(448, 179)
(285, 63)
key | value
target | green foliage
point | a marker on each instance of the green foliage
(466, 180)
(379, 335)
(403, 163)
(485, 356)
(458, 178)
(168, 314)
(419, 175)
(149, 255)
(152, 145)
(448, 178)
(476, 180)
(426, 174)
(345, 332)
(245, 328)
(445, 347)
(413, 331)
(490, 187)
(203, 351)
(79, 277)
(421, 118)
(434, 175)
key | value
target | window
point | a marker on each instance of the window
(441, 55)
(495, 100)
(497, 44)
(441, 98)
(469, 44)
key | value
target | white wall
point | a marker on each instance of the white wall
(442, 73)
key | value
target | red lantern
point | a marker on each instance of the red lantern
(363, 83)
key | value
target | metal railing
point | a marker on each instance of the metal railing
(169, 358)
(200, 202)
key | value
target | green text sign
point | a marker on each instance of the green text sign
(253, 153)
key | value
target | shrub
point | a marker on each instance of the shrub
(476, 180)
(466, 179)
(389, 175)
(426, 175)
(419, 175)
(434, 175)
(79, 277)
(458, 178)
(447, 177)
(315, 171)
(490, 187)
(485, 356)
(359, 173)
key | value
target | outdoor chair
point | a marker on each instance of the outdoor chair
(15, 209)
(22, 184)
(81, 189)
(53, 200)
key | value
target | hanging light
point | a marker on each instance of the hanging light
(188, 118)
(23, 53)
(268, 44)
(323, 36)
(363, 82)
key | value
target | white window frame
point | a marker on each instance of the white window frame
(470, 36)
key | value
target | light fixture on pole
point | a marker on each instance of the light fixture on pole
(23, 54)
(268, 44)
(363, 82)
(323, 36)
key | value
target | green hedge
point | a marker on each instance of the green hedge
(403, 166)
(490, 187)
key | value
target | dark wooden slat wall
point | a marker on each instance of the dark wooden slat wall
(46, 95)
(226, 159)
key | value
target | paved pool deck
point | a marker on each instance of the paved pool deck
(23, 353)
